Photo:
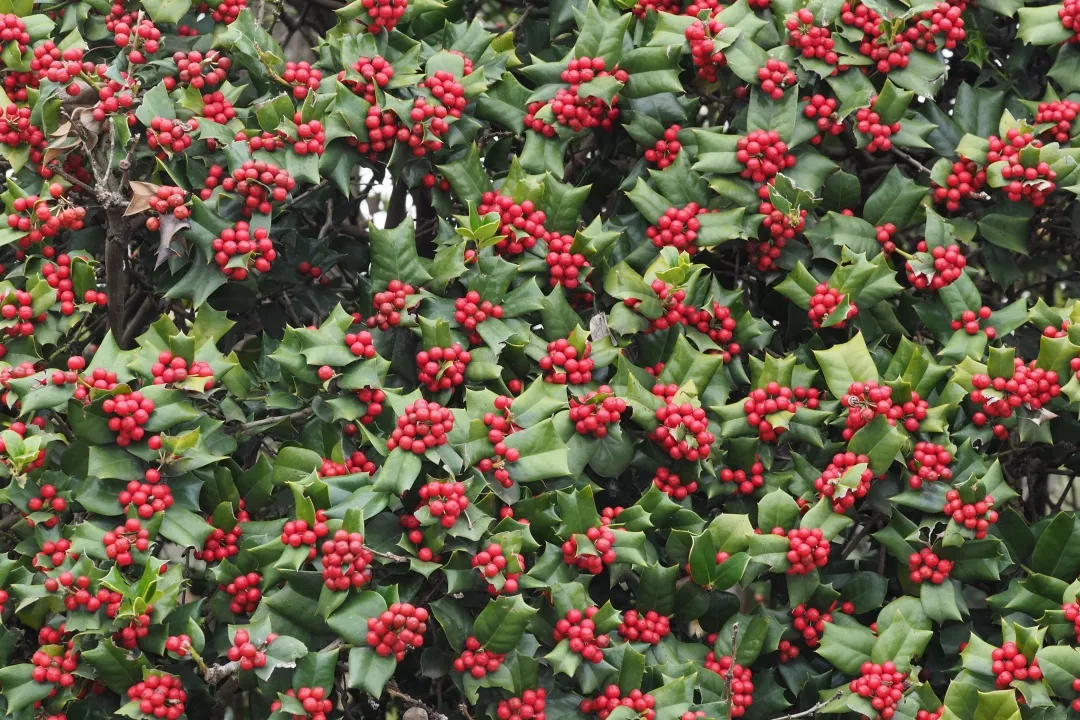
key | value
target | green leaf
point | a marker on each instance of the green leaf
(394, 257)
(500, 625)
(369, 671)
(846, 647)
(846, 363)
(880, 442)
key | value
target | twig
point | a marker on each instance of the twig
(464, 710)
(734, 654)
(125, 164)
(329, 219)
(388, 556)
(915, 163)
(521, 19)
(813, 710)
(55, 167)
(392, 690)
(149, 305)
(1064, 494)
(266, 422)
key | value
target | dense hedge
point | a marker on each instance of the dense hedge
(568, 359)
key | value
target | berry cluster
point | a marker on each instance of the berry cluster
(129, 413)
(565, 268)
(677, 228)
(573, 111)
(384, 13)
(220, 544)
(470, 311)
(345, 561)
(808, 550)
(170, 136)
(868, 122)
(683, 432)
(376, 72)
(948, 265)
(143, 37)
(388, 305)
(1062, 113)
(55, 669)
(120, 542)
(445, 501)
(977, 516)
(198, 70)
(253, 249)
(944, 19)
(763, 154)
(148, 498)
(809, 39)
(422, 426)
(883, 685)
(491, 562)
(603, 541)
(477, 661)
(298, 532)
(926, 566)
(772, 399)
(810, 622)
(245, 593)
(1028, 183)
(1068, 14)
(159, 696)
(666, 149)
(259, 183)
(383, 128)
(54, 553)
(520, 225)
(1072, 614)
(867, 400)
(579, 628)
(169, 369)
(314, 701)
(774, 77)
(650, 627)
(887, 51)
(302, 77)
(596, 412)
(246, 653)
(1029, 386)
(564, 364)
(397, 629)
(822, 111)
(929, 463)
(603, 705)
(178, 644)
(824, 302)
(374, 400)
(781, 228)
(827, 485)
(47, 500)
(966, 179)
(970, 319)
(38, 220)
(707, 59)
(218, 108)
(673, 485)
(530, 706)
(165, 200)
(743, 482)
(742, 681)
(719, 325)
(441, 368)
(310, 137)
(1010, 664)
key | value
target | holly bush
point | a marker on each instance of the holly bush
(574, 359)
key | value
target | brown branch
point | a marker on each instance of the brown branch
(393, 691)
(813, 710)
(388, 556)
(268, 421)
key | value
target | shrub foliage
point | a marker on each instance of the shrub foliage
(699, 360)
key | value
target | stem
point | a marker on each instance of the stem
(395, 210)
(813, 710)
(116, 239)
(388, 556)
(393, 691)
(268, 421)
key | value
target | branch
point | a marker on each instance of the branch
(388, 556)
(914, 163)
(267, 422)
(813, 710)
(393, 691)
